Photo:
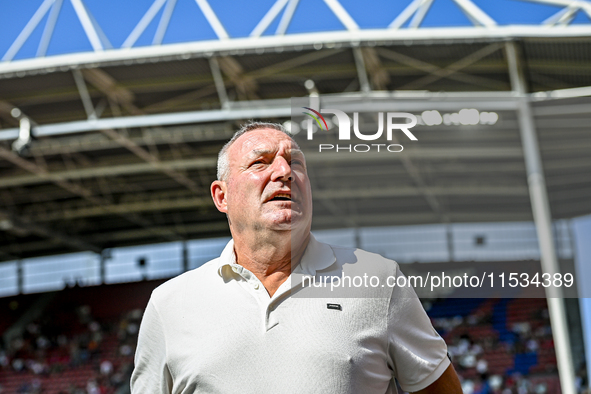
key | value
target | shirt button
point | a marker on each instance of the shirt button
(256, 286)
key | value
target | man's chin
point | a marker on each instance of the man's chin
(286, 226)
(288, 221)
(281, 226)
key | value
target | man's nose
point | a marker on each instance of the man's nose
(281, 169)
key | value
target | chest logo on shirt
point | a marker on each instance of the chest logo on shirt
(336, 307)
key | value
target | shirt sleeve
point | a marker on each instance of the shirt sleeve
(151, 374)
(417, 353)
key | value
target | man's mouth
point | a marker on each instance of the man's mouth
(281, 197)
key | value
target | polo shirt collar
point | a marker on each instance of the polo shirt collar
(227, 258)
(318, 256)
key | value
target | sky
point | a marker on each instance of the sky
(118, 18)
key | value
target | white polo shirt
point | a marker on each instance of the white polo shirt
(216, 330)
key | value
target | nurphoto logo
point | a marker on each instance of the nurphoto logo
(402, 121)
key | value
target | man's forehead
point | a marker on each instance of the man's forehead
(265, 141)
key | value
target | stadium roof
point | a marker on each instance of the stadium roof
(126, 139)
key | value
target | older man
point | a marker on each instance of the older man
(242, 323)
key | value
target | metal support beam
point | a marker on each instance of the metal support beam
(185, 256)
(20, 277)
(164, 21)
(342, 15)
(86, 194)
(475, 14)
(180, 201)
(449, 236)
(452, 71)
(49, 27)
(428, 192)
(183, 164)
(415, 101)
(219, 82)
(139, 29)
(378, 74)
(543, 221)
(562, 17)
(205, 228)
(26, 225)
(246, 86)
(152, 159)
(287, 17)
(420, 14)
(422, 217)
(110, 171)
(177, 102)
(111, 88)
(361, 70)
(26, 32)
(88, 26)
(406, 14)
(84, 95)
(288, 43)
(105, 83)
(268, 18)
(584, 5)
(101, 34)
(213, 20)
(104, 256)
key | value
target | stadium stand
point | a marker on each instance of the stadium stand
(84, 340)
(499, 345)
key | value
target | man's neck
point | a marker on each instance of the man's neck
(271, 262)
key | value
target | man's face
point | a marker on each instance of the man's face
(268, 186)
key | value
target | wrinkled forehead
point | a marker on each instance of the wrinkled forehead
(262, 141)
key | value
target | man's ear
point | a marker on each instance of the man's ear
(218, 193)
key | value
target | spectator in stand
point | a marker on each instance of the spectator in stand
(482, 368)
(468, 386)
(126, 350)
(18, 365)
(532, 345)
(4, 361)
(92, 387)
(74, 354)
(106, 367)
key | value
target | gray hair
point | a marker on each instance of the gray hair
(223, 161)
